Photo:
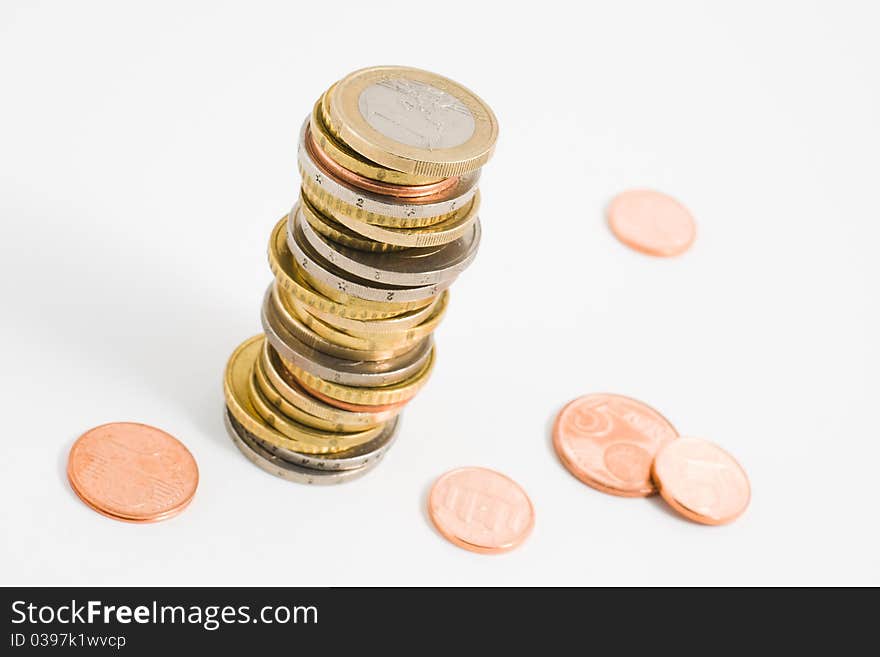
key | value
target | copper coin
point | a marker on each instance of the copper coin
(701, 481)
(481, 510)
(609, 441)
(132, 472)
(415, 193)
(651, 222)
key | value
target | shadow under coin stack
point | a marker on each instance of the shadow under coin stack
(386, 220)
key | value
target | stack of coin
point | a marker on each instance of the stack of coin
(387, 219)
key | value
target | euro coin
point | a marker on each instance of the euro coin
(481, 510)
(609, 442)
(652, 222)
(132, 472)
(412, 120)
(701, 481)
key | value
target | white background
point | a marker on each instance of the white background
(146, 152)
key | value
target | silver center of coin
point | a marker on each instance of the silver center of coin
(416, 114)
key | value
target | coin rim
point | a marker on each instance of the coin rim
(366, 418)
(388, 394)
(266, 461)
(351, 289)
(321, 365)
(352, 260)
(284, 268)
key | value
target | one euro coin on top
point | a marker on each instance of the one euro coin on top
(412, 121)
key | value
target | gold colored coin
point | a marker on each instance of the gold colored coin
(236, 388)
(290, 389)
(399, 392)
(352, 160)
(338, 233)
(290, 427)
(412, 121)
(293, 411)
(290, 279)
(395, 342)
(453, 226)
(406, 336)
(305, 334)
(373, 329)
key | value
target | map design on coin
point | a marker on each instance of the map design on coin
(702, 481)
(132, 470)
(481, 510)
(416, 114)
(609, 442)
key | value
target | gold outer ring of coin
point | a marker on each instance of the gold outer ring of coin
(338, 233)
(236, 384)
(374, 328)
(347, 122)
(337, 284)
(291, 389)
(323, 149)
(392, 394)
(448, 230)
(305, 334)
(351, 159)
(398, 338)
(290, 427)
(288, 277)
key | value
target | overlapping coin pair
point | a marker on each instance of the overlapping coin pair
(386, 220)
(624, 447)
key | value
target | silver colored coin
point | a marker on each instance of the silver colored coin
(369, 374)
(359, 199)
(300, 331)
(315, 265)
(438, 265)
(277, 466)
(416, 114)
(350, 459)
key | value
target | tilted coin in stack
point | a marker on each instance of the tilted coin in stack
(386, 220)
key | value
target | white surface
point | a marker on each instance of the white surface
(146, 153)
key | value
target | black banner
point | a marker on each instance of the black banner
(176, 620)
